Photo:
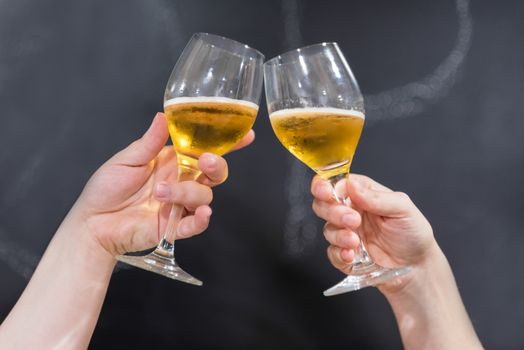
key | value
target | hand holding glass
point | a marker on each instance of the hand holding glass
(317, 112)
(211, 102)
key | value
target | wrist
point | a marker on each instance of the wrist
(83, 244)
(411, 283)
(427, 305)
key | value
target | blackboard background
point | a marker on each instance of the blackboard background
(79, 80)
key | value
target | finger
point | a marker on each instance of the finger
(391, 204)
(195, 224)
(340, 258)
(214, 169)
(368, 182)
(189, 194)
(322, 190)
(246, 140)
(337, 214)
(342, 238)
(146, 148)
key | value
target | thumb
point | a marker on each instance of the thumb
(146, 148)
(367, 197)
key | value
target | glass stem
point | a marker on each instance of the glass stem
(339, 189)
(187, 171)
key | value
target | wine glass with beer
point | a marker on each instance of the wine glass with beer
(317, 112)
(211, 102)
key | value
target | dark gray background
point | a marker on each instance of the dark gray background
(79, 80)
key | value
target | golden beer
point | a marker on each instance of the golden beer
(324, 139)
(208, 124)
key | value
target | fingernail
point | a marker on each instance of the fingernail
(163, 190)
(326, 187)
(319, 189)
(212, 160)
(208, 212)
(349, 219)
(346, 241)
(348, 255)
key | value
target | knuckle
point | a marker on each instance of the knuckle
(339, 238)
(331, 235)
(335, 215)
(317, 207)
(404, 200)
(334, 257)
(315, 185)
(314, 191)
(336, 254)
(312, 187)
(330, 255)
(329, 227)
(325, 229)
(403, 196)
(328, 235)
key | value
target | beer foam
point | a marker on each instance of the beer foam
(317, 110)
(209, 99)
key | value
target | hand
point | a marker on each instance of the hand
(426, 301)
(120, 207)
(394, 231)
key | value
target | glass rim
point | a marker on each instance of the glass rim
(292, 55)
(234, 46)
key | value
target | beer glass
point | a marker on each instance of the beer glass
(211, 102)
(317, 112)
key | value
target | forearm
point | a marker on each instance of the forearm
(429, 311)
(60, 306)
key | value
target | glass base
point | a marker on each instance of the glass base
(158, 264)
(366, 275)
